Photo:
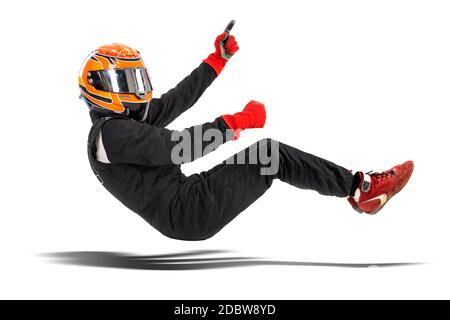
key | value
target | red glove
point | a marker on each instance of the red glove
(219, 58)
(253, 116)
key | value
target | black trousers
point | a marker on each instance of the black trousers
(206, 202)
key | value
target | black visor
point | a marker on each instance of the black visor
(132, 80)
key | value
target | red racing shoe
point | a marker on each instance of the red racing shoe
(376, 189)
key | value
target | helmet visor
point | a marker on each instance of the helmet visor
(132, 80)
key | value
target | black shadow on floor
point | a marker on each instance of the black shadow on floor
(189, 260)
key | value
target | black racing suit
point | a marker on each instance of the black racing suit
(144, 178)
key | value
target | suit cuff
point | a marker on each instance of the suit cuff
(216, 62)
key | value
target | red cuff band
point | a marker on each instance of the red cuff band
(237, 123)
(216, 62)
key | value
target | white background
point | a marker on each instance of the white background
(362, 83)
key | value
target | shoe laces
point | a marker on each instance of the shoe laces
(381, 176)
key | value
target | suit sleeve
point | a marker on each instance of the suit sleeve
(131, 142)
(164, 110)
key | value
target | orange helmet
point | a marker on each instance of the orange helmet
(114, 78)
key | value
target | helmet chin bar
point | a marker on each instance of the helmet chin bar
(145, 112)
(131, 114)
(127, 112)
